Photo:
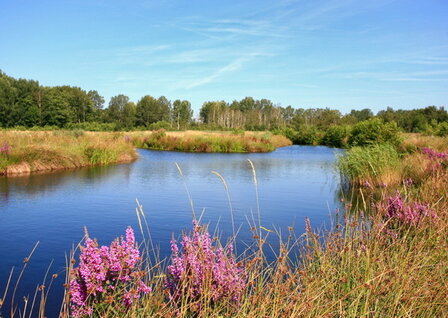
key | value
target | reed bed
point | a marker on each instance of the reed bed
(195, 141)
(28, 152)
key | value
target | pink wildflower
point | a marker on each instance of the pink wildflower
(204, 268)
(5, 149)
(410, 214)
(101, 270)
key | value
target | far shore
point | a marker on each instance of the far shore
(29, 152)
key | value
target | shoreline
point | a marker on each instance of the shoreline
(25, 169)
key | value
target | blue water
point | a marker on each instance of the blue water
(293, 183)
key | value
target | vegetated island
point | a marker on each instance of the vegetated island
(24, 152)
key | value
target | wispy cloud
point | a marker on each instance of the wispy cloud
(228, 68)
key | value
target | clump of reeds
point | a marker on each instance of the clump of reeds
(372, 165)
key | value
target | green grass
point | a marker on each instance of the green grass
(370, 164)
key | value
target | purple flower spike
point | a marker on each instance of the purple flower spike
(202, 267)
(101, 270)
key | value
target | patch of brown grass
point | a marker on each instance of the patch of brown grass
(40, 151)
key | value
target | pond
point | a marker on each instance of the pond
(293, 183)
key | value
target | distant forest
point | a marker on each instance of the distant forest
(25, 104)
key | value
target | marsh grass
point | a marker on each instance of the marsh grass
(371, 165)
(195, 141)
(47, 151)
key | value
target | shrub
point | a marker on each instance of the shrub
(336, 136)
(288, 132)
(160, 125)
(442, 129)
(374, 131)
(308, 135)
(92, 126)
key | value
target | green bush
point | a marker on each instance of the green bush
(160, 125)
(442, 129)
(336, 136)
(374, 131)
(288, 132)
(308, 135)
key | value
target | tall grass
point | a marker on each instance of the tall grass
(47, 151)
(210, 142)
(373, 165)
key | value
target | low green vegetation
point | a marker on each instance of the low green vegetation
(370, 164)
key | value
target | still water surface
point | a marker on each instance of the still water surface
(293, 183)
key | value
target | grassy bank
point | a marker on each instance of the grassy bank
(203, 141)
(24, 152)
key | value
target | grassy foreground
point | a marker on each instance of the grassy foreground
(24, 152)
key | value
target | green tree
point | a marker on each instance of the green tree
(150, 110)
(362, 114)
(116, 106)
(128, 115)
(181, 113)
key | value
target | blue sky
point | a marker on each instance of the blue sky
(323, 53)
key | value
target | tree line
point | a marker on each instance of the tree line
(26, 103)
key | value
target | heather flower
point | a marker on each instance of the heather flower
(203, 268)
(106, 271)
(5, 149)
(410, 214)
(432, 154)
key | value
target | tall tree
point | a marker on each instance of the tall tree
(115, 109)
(182, 113)
(150, 110)
(97, 99)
